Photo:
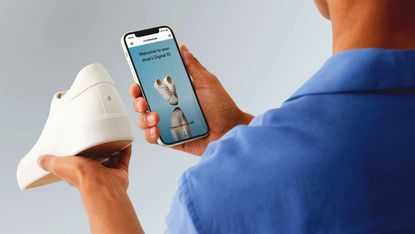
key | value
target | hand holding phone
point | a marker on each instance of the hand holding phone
(221, 112)
(158, 68)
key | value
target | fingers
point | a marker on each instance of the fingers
(152, 134)
(194, 67)
(46, 162)
(140, 105)
(148, 120)
(135, 91)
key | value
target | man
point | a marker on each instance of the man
(337, 157)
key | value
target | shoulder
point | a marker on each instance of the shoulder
(258, 169)
(238, 176)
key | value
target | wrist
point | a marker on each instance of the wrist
(108, 206)
(238, 118)
(95, 183)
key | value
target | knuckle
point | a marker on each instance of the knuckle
(142, 122)
(85, 168)
(137, 104)
(148, 137)
(142, 103)
(156, 118)
(192, 63)
(80, 166)
(149, 140)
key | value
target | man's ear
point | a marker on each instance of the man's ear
(323, 7)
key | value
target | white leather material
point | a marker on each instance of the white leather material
(111, 100)
(90, 113)
(96, 74)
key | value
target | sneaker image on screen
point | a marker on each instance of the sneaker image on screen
(179, 126)
(167, 90)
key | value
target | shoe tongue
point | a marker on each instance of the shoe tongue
(89, 76)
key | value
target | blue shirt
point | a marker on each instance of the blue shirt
(337, 157)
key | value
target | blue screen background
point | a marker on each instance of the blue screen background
(149, 71)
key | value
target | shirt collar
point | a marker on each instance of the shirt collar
(362, 70)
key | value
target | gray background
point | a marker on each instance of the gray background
(261, 50)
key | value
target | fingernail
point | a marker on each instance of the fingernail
(40, 161)
(150, 119)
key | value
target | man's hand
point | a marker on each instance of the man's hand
(220, 110)
(103, 190)
(82, 172)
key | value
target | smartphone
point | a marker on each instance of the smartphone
(158, 68)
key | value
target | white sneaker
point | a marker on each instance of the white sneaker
(89, 119)
(179, 126)
(167, 90)
(170, 83)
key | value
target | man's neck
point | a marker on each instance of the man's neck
(388, 24)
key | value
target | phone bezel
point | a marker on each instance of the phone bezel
(133, 69)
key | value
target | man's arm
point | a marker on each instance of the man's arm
(109, 209)
(103, 190)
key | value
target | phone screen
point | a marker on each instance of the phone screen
(166, 84)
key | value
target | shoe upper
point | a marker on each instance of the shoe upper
(96, 73)
(169, 83)
(167, 90)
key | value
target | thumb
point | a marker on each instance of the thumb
(194, 67)
(45, 162)
(69, 168)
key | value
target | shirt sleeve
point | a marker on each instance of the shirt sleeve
(181, 218)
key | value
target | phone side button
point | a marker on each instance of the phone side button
(126, 54)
